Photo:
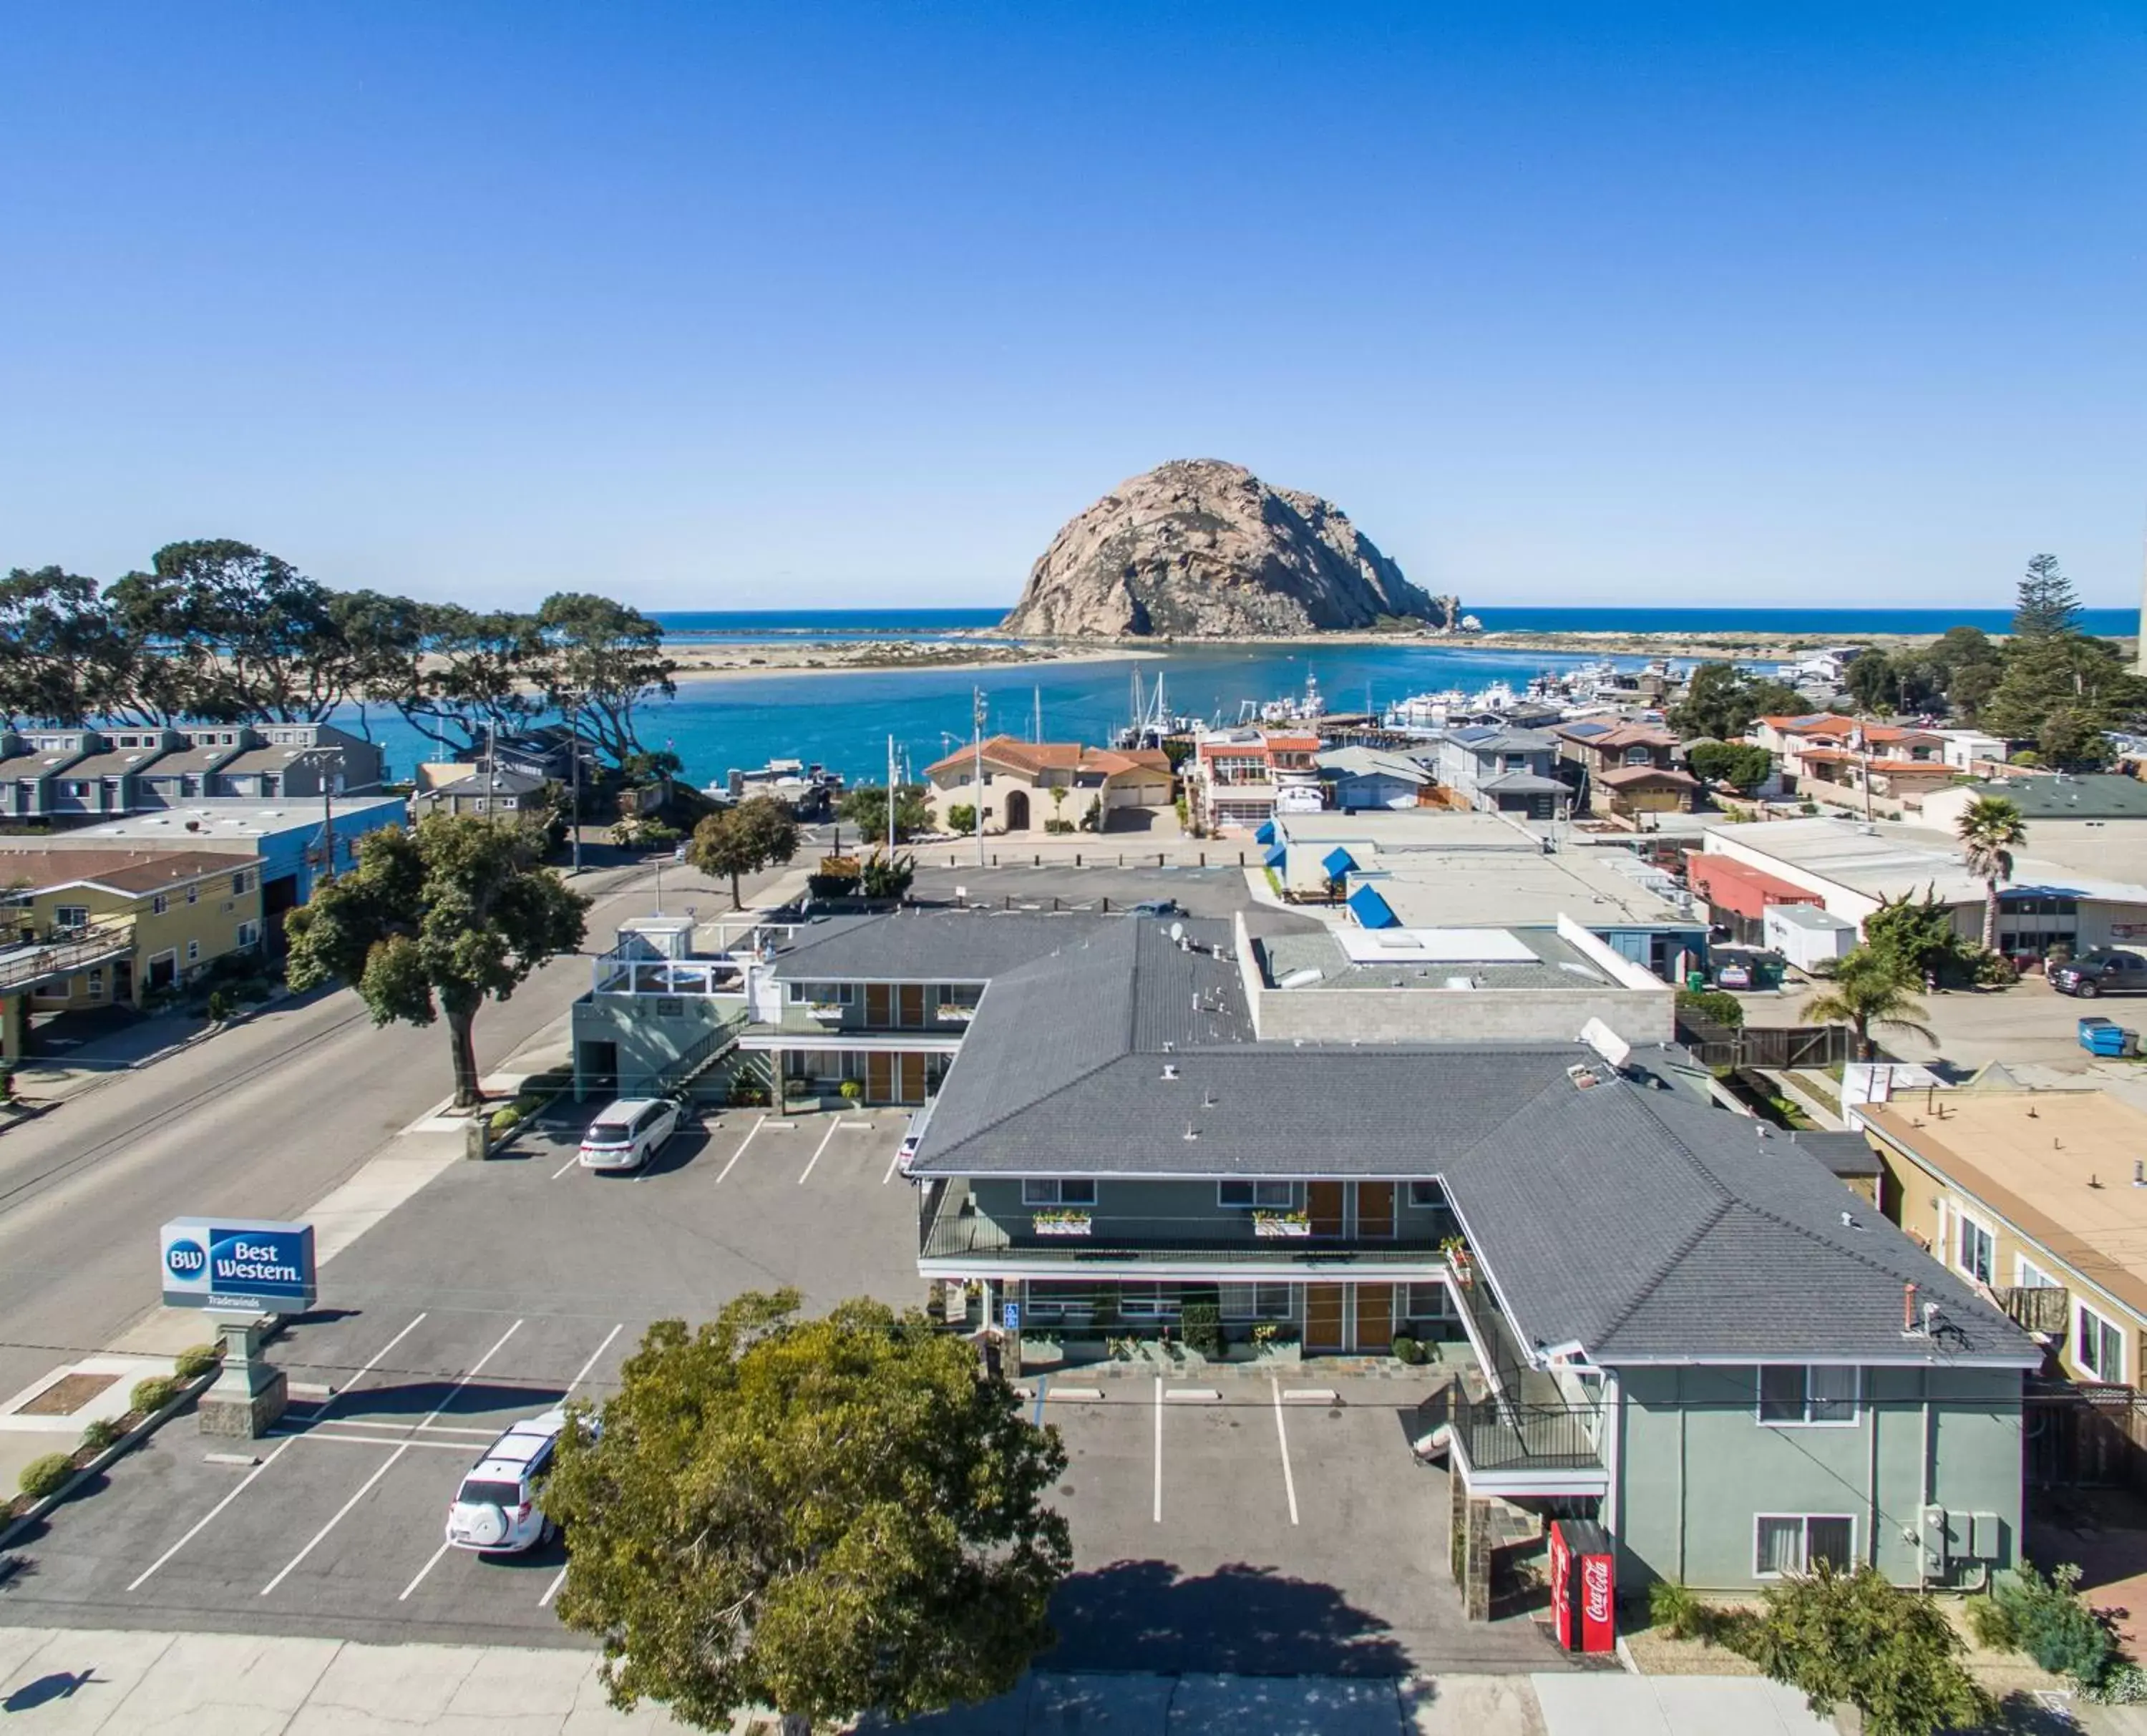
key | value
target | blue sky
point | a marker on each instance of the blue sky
(829, 305)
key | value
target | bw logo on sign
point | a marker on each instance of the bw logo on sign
(186, 1259)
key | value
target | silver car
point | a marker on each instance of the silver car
(495, 1509)
(630, 1132)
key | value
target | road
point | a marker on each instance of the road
(261, 1120)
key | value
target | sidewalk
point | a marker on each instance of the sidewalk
(60, 1682)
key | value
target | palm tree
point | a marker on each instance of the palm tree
(1869, 991)
(1989, 831)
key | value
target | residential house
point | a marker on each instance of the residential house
(547, 754)
(1022, 785)
(2044, 798)
(1971, 751)
(1620, 770)
(295, 761)
(91, 774)
(474, 792)
(1367, 778)
(2037, 1196)
(166, 916)
(32, 765)
(1846, 762)
(1854, 868)
(1675, 1323)
(1238, 779)
(1497, 769)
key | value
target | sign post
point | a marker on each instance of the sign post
(239, 1270)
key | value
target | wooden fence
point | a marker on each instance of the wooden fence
(1771, 1046)
(2084, 1437)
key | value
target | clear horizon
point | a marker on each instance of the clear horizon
(844, 307)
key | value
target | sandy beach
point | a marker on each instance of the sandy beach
(701, 660)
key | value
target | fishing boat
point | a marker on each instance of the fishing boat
(1152, 721)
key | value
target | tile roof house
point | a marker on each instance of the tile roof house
(1025, 784)
(1625, 769)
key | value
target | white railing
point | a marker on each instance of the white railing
(667, 976)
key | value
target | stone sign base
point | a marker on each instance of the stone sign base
(249, 1395)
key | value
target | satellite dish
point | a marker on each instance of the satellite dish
(1177, 931)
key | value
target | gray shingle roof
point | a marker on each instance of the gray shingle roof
(925, 946)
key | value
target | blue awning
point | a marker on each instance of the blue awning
(1266, 834)
(1337, 861)
(1277, 855)
(1371, 910)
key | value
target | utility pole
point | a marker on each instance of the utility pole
(890, 797)
(574, 747)
(977, 737)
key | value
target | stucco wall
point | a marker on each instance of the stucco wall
(1696, 1467)
(650, 1043)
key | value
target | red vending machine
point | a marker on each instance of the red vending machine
(1584, 1586)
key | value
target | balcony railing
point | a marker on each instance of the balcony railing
(668, 978)
(1494, 1435)
(62, 952)
(946, 1231)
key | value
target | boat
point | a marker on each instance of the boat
(1153, 722)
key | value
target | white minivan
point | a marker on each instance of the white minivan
(630, 1132)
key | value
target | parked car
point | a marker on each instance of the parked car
(630, 1132)
(2101, 970)
(495, 1509)
(912, 1136)
(1156, 907)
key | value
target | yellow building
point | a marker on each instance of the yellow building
(2039, 1196)
(100, 928)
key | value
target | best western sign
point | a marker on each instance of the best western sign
(238, 1265)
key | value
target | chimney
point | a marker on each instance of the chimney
(1909, 1306)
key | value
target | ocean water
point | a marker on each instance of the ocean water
(845, 721)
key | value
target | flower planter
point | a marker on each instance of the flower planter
(1061, 1226)
(1273, 1229)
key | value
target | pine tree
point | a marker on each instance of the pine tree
(2046, 606)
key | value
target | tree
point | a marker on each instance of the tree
(1721, 700)
(1869, 990)
(601, 659)
(1851, 1636)
(2046, 605)
(1873, 685)
(883, 876)
(831, 1517)
(2067, 685)
(1914, 938)
(65, 664)
(1990, 830)
(962, 816)
(435, 921)
(744, 840)
(1742, 765)
(865, 808)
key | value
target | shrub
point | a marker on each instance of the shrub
(1406, 1350)
(962, 816)
(1675, 1609)
(1991, 1627)
(219, 1005)
(1719, 1004)
(853, 1091)
(44, 1475)
(2053, 1625)
(1059, 827)
(1994, 970)
(505, 1121)
(1202, 1323)
(104, 1432)
(196, 1360)
(154, 1393)
(2126, 1685)
(747, 1093)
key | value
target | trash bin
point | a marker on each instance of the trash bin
(1696, 981)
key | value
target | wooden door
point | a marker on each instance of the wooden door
(1375, 1317)
(1375, 1210)
(1323, 1317)
(912, 1078)
(912, 1007)
(1323, 1203)
(879, 1078)
(879, 1005)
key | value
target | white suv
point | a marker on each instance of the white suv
(495, 1509)
(630, 1132)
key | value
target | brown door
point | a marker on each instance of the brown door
(1375, 1209)
(879, 1078)
(879, 1005)
(1323, 1203)
(912, 1007)
(1375, 1317)
(912, 1078)
(1323, 1317)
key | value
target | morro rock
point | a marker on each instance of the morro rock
(1198, 548)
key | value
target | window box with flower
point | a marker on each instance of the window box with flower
(1062, 1222)
(1268, 1225)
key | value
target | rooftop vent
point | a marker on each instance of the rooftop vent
(1169, 1070)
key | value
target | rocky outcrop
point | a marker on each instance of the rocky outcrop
(1197, 549)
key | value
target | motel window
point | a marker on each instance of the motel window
(1049, 1301)
(1785, 1544)
(159, 904)
(838, 994)
(1278, 1196)
(2098, 1345)
(1049, 1191)
(193, 951)
(97, 984)
(1792, 1395)
(193, 892)
(249, 935)
(2029, 1276)
(1147, 1302)
(1430, 1302)
(1253, 1302)
(239, 882)
(71, 916)
(1426, 1195)
(1977, 1252)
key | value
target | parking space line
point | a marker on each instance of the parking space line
(592, 1362)
(1282, 1439)
(817, 1150)
(551, 1590)
(421, 1571)
(891, 1163)
(743, 1143)
(476, 1368)
(1158, 1449)
(566, 1166)
(363, 1440)
(372, 1362)
(202, 1523)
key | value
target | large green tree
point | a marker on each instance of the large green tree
(732, 841)
(1874, 684)
(831, 1517)
(1742, 765)
(1990, 829)
(601, 659)
(2046, 603)
(434, 923)
(865, 808)
(1721, 700)
(64, 664)
(2061, 691)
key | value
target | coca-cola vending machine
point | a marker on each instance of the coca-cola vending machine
(1584, 1586)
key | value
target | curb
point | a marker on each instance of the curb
(125, 1445)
